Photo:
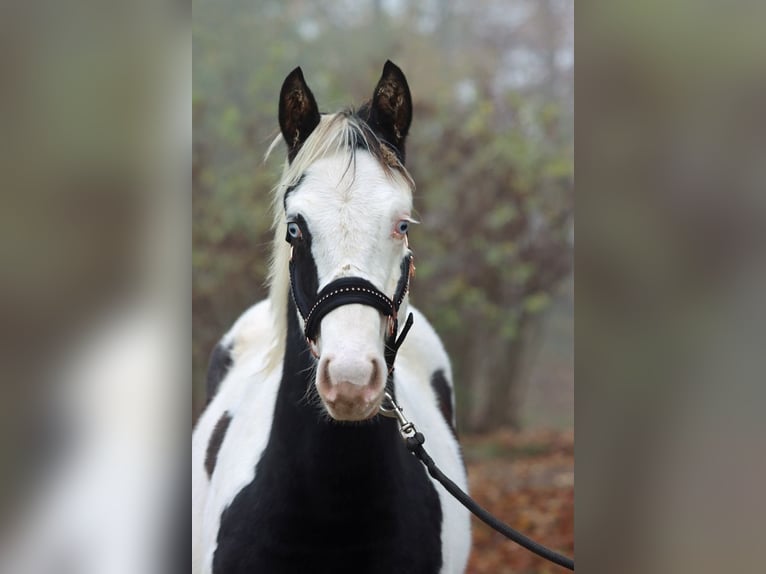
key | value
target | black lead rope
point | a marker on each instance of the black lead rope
(415, 440)
(415, 444)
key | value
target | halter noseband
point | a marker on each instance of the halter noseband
(355, 290)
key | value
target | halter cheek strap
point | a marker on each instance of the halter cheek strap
(355, 290)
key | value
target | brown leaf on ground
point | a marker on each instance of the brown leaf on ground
(525, 479)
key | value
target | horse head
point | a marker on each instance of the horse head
(346, 206)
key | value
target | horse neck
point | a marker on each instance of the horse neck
(310, 439)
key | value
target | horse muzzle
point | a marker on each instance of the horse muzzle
(351, 388)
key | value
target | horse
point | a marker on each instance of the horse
(294, 470)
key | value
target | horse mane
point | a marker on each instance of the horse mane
(341, 134)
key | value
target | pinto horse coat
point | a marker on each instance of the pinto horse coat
(293, 470)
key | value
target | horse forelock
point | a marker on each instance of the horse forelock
(341, 134)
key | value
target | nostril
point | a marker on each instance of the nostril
(324, 379)
(358, 371)
(326, 371)
(373, 382)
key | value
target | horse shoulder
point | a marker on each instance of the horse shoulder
(242, 348)
(237, 411)
(252, 332)
(424, 353)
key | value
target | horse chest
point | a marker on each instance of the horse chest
(343, 509)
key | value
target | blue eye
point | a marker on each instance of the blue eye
(402, 227)
(293, 231)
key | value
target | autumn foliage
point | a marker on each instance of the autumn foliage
(527, 480)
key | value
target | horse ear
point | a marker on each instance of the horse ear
(390, 111)
(298, 112)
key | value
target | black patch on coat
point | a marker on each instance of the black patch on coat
(304, 270)
(217, 368)
(444, 395)
(215, 442)
(329, 497)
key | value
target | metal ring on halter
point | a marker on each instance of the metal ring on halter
(391, 320)
(389, 408)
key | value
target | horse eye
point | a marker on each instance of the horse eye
(402, 227)
(293, 231)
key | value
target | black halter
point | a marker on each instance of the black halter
(355, 290)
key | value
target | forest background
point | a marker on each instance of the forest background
(491, 152)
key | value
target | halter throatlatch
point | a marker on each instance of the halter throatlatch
(355, 290)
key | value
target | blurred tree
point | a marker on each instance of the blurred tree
(490, 150)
